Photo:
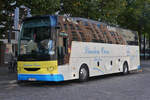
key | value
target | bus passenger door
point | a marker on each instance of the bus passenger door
(62, 50)
(63, 56)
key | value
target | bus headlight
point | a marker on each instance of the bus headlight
(51, 68)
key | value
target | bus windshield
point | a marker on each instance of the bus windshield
(36, 40)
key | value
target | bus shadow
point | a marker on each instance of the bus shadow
(110, 76)
(47, 84)
(72, 82)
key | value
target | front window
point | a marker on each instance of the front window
(37, 40)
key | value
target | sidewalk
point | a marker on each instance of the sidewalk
(5, 75)
(145, 62)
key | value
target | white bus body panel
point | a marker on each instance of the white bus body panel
(91, 53)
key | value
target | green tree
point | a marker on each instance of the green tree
(110, 10)
(38, 7)
(41, 7)
(136, 16)
(6, 9)
(79, 8)
(102, 10)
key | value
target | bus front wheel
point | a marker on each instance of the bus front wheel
(83, 73)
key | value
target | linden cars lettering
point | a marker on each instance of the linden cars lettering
(94, 50)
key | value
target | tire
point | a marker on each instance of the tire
(83, 74)
(125, 69)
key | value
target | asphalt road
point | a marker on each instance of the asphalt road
(135, 86)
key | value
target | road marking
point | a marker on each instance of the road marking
(13, 81)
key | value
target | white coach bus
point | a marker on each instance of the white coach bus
(58, 48)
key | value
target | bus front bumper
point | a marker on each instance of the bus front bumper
(41, 77)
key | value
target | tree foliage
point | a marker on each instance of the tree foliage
(132, 14)
(6, 9)
(41, 7)
(102, 10)
(136, 16)
(38, 7)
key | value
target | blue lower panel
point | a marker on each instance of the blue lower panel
(139, 67)
(38, 77)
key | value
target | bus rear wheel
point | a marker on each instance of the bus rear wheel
(125, 69)
(83, 74)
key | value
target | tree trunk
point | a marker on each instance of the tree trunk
(149, 42)
(140, 33)
(149, 49)
(144, 46)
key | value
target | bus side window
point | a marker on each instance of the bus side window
(65, 41)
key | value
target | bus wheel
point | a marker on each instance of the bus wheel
(83, 74)
(125, 69)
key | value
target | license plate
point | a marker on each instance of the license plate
(32, 79)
